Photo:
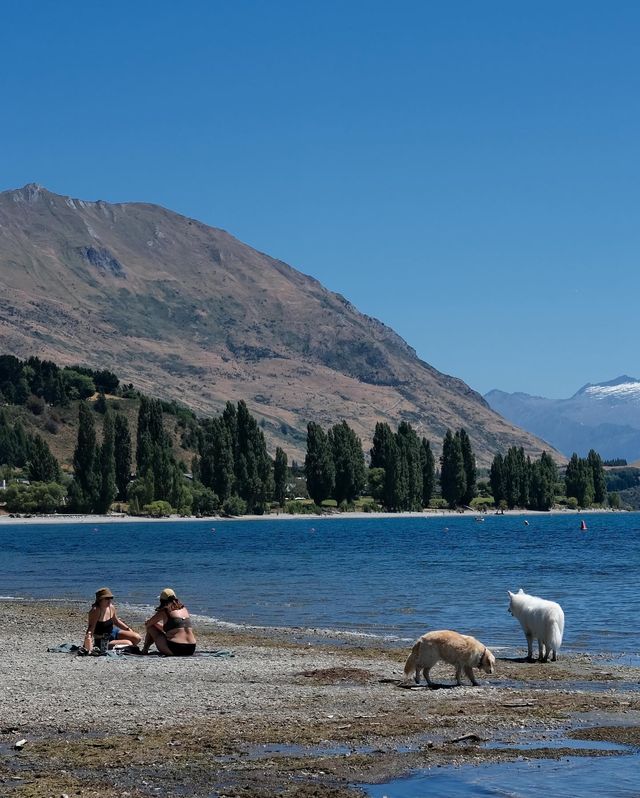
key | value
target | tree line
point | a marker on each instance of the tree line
(37, 383)
(517, 481)
(232, 471)
(402, 471)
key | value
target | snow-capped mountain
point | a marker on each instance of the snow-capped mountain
(603, 416)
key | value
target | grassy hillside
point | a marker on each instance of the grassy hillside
(58, 426)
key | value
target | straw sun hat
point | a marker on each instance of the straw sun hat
(103, 593)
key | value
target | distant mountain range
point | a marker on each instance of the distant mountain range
(604, 417)
(187, 312)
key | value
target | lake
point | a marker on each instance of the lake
(389, 577)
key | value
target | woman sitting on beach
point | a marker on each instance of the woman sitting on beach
(170, 628)
(105, 626)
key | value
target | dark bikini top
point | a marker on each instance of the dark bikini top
(176, 623)
(104, 627)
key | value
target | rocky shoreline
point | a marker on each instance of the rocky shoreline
(281, 717)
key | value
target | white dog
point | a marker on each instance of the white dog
(465, 652)
(541, 619)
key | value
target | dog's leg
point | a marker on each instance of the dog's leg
(529, 637)
(554, 655)
(416, 676)
(459, 675)
(427, 677)
(541, 651)
(469, 671)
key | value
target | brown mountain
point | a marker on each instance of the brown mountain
(187, 312)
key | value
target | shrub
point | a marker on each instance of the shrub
(234, 505)
(572, 503)
(439, 504)
(205, 501)
(369, 507)
(36, 404)
(158, 509)
(51, 426)
(482, 502)
(297, 507)
(39, 497)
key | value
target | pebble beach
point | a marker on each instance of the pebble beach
(282, 716)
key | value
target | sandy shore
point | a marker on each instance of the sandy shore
(281, 717)
(59, 518)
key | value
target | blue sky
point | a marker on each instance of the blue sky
(467, 171)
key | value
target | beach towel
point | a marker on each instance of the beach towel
(71, 648)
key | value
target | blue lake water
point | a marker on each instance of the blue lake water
(614, 777)
(392, 577)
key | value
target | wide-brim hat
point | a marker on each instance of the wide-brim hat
(103, 593)
(166, 594)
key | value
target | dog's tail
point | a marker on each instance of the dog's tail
(555, 634)
(410, 664)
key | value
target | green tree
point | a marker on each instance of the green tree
(42, 465)
(107, 489)
(40, 497)
(375, 479)
(204, 501)
(428, 472)
(409, 479)
(452, 474)
(280, 476)
(318, 465)
(101, 403)
(252, 466)
(598, 477)
(381, 436)
(216, 462)
(348, 462)
(83, 492)
(579, 480)
(469, 462)
(122, 455)
(77, 385)
(497, 480)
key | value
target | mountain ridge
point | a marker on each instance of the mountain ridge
(186, 311)
(604, 416)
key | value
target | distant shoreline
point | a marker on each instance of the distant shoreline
(6, 520)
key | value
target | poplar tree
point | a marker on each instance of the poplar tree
(428, 472)
(410, 468)
(216, 462)
(107, 488)
(318, 464)
(348, 462)
(83, 492)
(280, 476)
(122, 455)
(452, 473)
(497, 480)
(469, 464)
(379, 451)
(598, 477)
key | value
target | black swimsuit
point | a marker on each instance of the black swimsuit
(179, 649)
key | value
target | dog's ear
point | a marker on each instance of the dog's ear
(521, 590)
(510, 594)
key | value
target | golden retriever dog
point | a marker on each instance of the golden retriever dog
(463, 651)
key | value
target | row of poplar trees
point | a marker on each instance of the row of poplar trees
(232, 470)
(401, 475)
(518, 481)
